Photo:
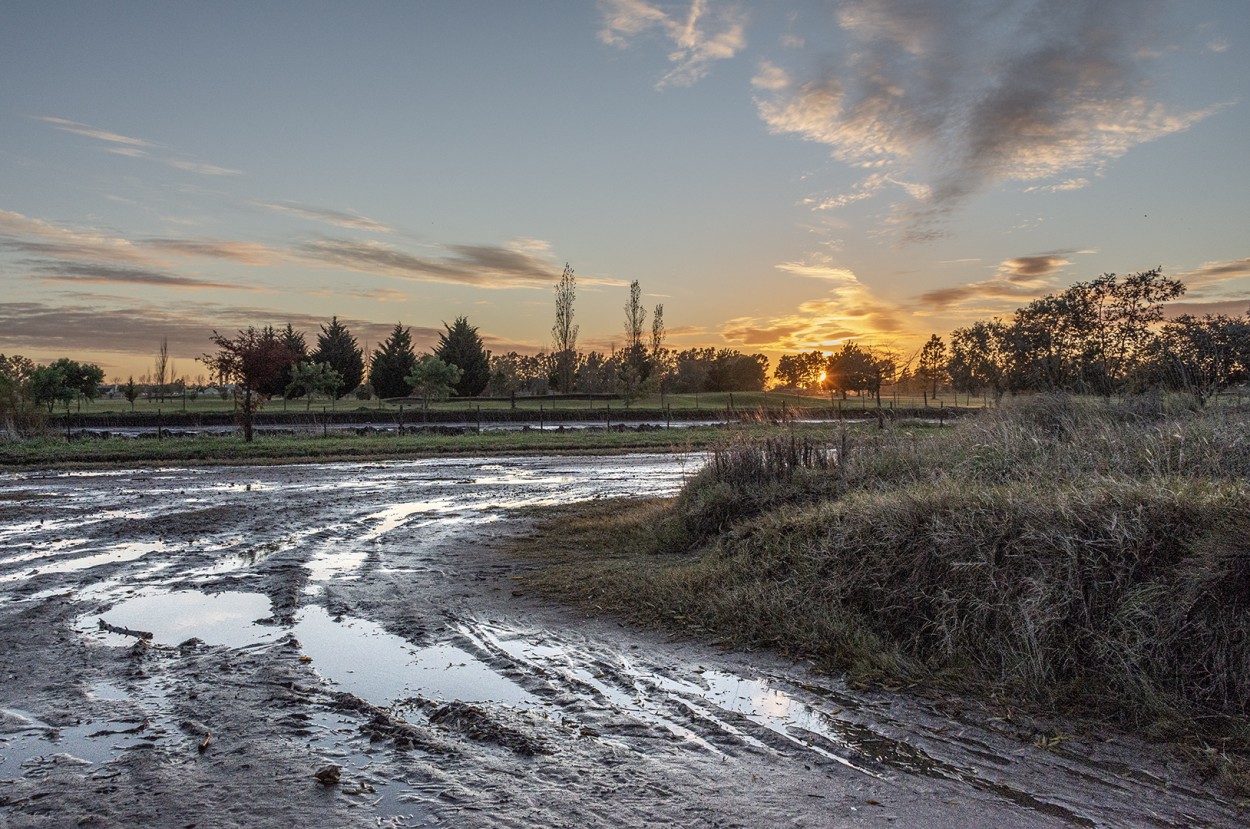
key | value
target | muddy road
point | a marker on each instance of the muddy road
(358, 620)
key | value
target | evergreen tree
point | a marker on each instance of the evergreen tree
(461, 346)
(295, 343)
(391, 364)
(336, 346)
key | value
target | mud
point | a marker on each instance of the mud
(359, 616)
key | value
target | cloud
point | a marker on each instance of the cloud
(100, 135)
(203, 169)
(1211, 274)
(1029, 268)
(1238, 307)
(34, 236)
(129, 328)
(1059, 187)
(134, 147)
(376, 295)
(703, 34)
(483, 266)
(333, 217)
(849, 311)
(961, 97)
(989, 289)
(1022, 277)
(105, 275)
(245, 253)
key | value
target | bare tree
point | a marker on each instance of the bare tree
(564, 332)
(634, 363)
(162, 368)
(658, 333)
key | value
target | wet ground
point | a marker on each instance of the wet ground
(191, 647)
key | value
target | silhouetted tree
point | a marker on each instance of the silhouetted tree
(336, 346)
(461, 347)
(161, 368)
(978, 358)
(391, 364)
(1203, 355)
(297, 345)
(932, 366)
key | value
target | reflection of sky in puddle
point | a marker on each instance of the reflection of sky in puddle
(651, 696)
(115, 553)
(360, 657)
(396, 515)
(28, 744)
(217, 618)
(95, 742)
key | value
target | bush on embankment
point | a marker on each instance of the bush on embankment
(1075, 553)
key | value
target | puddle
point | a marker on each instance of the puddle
(396, 515)
(115, 554)
(359, 656)
(217, 618)
(27, 753)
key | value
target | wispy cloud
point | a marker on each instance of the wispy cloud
(518, 265)
(34, 236)
(245, 253)
(1018, 278)
(704, 32)
(1212, 274)
(960, 97)
(106, 275)
(321, 214)
(100, 135)
(849, 311)
(202, 168)
(135, 147)
(39, 238)
(125, 327)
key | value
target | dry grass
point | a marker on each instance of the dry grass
(1076, 555)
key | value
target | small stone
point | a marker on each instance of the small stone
(328, 775)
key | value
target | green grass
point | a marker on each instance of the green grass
(712, 403)
(55, 451)
(1063, 554)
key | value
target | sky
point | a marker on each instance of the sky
(780, 176)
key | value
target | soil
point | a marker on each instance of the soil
(344, 645)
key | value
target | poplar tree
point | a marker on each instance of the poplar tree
(564, 332)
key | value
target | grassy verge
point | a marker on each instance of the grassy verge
(53, 452)
(1067, 555)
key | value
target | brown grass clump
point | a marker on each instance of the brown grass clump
(1081, 555)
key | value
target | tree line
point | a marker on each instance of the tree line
(1107, 336)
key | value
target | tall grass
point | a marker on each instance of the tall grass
(1069, 552)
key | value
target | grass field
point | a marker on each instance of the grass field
(54, 451)
(713, 402)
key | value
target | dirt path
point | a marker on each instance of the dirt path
(356, 615)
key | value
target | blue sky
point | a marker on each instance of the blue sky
(780, 176)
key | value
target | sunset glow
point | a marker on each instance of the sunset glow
(775, 175)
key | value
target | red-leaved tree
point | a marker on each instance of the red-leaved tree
(253, 361)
